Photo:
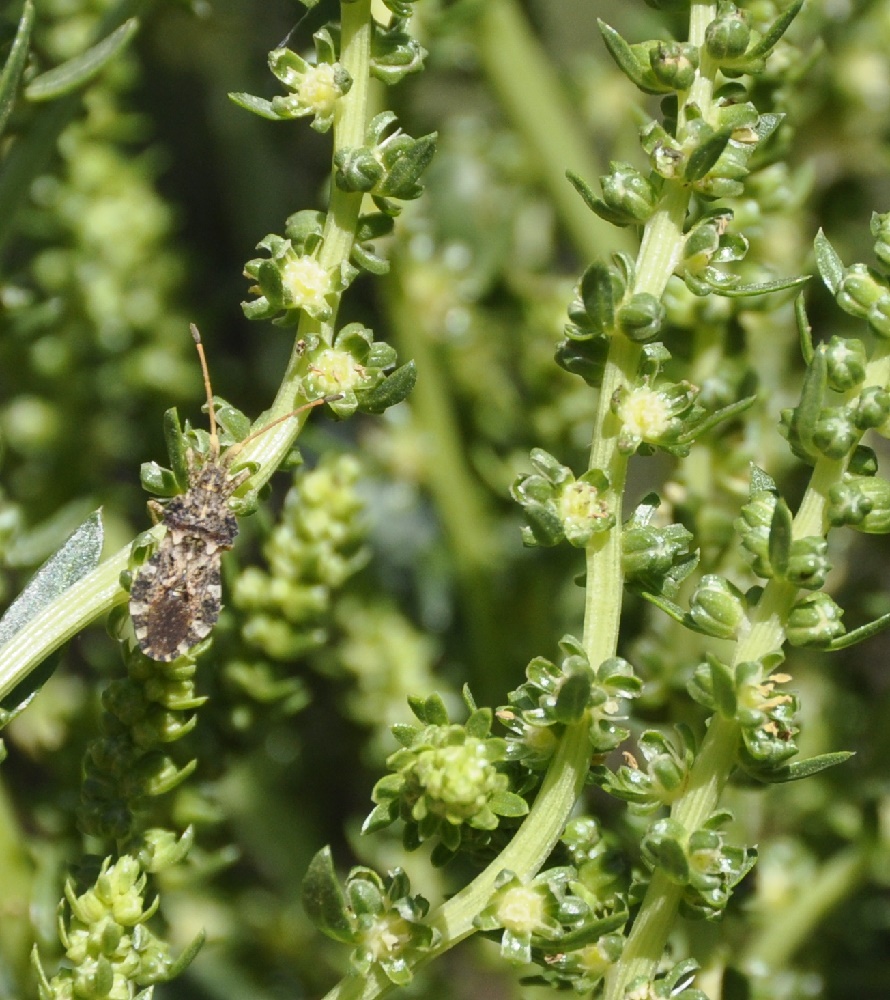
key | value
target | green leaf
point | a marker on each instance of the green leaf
(807, 410)
(774, 32)
(77, 557)
(323, 898)
(707, 154)
(761, 288)
(393, 389)
(761, 481)
(257, 105)
(804, 329)
(802, 768)
(15, 63)
(624, 56)
(668, 607)
(830, 266)
(572, 700)
(81, 69)
(596, 293)
(780, 538)
(715, 418)
(860, 634)
(723, 681)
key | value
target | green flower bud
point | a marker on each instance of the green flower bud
(859, 290)
(814, 621)
(728, 35)
(674, 64)
(863, 462)
(640, 318)
(808, 563)
(664, 847)
(845, 360)
(717, 607)
(357, 169)
(864, 504)
(628, 193)
(872, 408)
(835, 432)
(880, 229)
(879, 317)
(753, 528)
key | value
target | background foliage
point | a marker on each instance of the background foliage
(405, 560)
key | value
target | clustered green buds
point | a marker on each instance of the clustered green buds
(107, 943)
(717, 607)
(815, 620)
(558, 506)
(562, 695)
(288, 282)
(865, 294)
(656, 415)
(315, 89)
(126, 767)
(447, 781)
(863, 502)
(628, 197)
(699, 860)
(551, 916)
(388, 166)
(655, 559)
(660, 782)
(383, 922)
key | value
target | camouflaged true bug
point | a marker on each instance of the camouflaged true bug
(176, 595)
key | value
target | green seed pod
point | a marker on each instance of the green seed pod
(628, 193)
(859, 290)
(357, 169)
(845, 361)
(753, 528)
(808, 563)
(717, 607)
(873, 407)
(728, 35)
(848, 503)
(864, 504)
(879, 317)
(674, 64)
(835, 432)
(814, 621)
(640, 318)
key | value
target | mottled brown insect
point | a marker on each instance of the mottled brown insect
(176, 597)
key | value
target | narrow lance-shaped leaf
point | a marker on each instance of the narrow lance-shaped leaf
(831, 267)
(15, 63)
(81, 69)
(77, 557)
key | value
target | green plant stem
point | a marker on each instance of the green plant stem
(540, 111)
(776, 943)
(524, 856)
(460, 500)
(99, 591)
(716, 758)
(268, 451)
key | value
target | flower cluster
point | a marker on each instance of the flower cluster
(558, 506)
(107, 942)
(564, 695)
(447, 781)
(378, 917)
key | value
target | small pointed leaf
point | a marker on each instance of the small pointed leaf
(15, 63)
(82, 68)
(323, 898)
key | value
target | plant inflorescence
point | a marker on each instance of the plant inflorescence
(644, 480)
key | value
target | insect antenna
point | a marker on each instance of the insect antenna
(235, 448)
(214, 436)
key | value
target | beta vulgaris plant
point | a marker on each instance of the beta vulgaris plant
(603, 824)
